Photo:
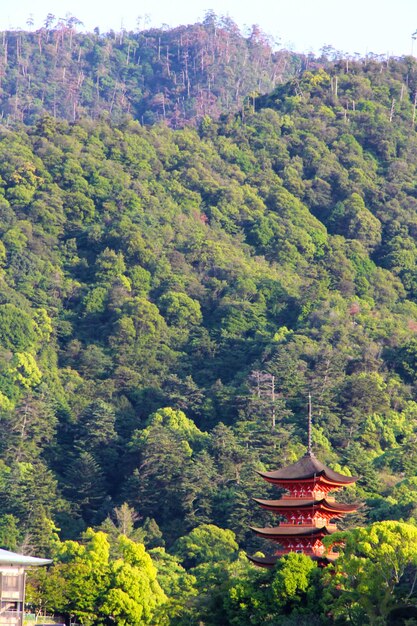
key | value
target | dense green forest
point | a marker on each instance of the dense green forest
(168, 299)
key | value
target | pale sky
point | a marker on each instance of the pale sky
(378, 26)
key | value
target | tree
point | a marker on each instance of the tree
(156, 486)
(257, 596)
(29, 494)
(9, 532)
(292, 580)
(357, 222)
(175, 421)
(17, 331)
(207, 543)
(180, 310)
(86, 487)
(123, 521)
(86, 583)
(28, 428)
(134, 596)
(178, 585)
(247, 596)
(375, 573)
(96, 434)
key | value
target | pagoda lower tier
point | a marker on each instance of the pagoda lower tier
(305, 539)
(270, 561)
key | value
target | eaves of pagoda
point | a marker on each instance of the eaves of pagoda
(308, 469)
(278, 532)
(294, 504)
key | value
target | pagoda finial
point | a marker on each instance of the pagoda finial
(309, 424)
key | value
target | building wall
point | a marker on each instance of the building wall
(12, 595)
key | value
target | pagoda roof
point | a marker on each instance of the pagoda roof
(12, 558)
(294, 531)
(263, 561)
(297, 503)
(305, 468)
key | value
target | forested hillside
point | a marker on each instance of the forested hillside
(168, 300)
(177, 75)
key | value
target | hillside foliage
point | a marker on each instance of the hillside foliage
(168, 299)
(177, 75)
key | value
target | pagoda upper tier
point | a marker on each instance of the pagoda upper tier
(308, 478)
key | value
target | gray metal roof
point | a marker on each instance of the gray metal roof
(12, 558)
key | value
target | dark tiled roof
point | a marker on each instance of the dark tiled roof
(295, 531)
(297, 503)
(308, 467)
(263, 561)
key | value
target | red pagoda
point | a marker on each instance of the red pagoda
(310, 513)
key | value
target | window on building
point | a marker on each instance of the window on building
(10, 583)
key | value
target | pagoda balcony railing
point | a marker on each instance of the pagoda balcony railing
(304, 496)
(309, 495)
(307, 551)
(308, 524)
